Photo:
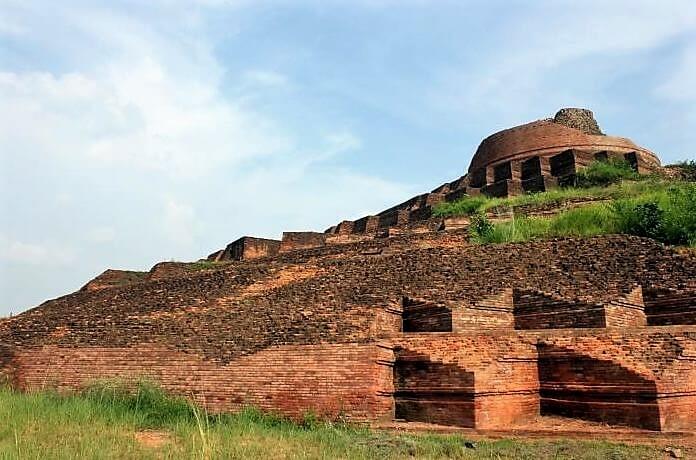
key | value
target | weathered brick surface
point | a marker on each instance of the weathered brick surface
(545, 138)
(246, 248)
(293, 241)
(419, 316)
(477, 381)
(627, 310)
(337, 298)
(643, 377)
(668, 306)
(227, 334)
(352, 380)
(534, 310)
(111, 278)
(580, 119)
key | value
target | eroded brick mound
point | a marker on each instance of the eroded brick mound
(557, 327)
(317, 295)
(112, 278)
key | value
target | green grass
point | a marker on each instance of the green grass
(202, 265)
(603, 173)
(104, 421)
(470, 205)
(661, 209)
(585, 221)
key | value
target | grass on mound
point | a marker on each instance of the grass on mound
(607, 172)
(586, 221)
(107, 421)
(651, 207)
(667, 215)
(470, 205)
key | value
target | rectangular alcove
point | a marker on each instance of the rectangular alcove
(423, 316)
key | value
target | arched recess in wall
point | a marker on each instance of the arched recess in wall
(537, 310)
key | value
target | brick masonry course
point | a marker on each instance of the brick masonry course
(321, 329)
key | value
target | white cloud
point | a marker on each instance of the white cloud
(548, 35)
(137, 115)
(102, 234)
(680, 85)
(265, 78)
(21, 252)
(180, 223)
(121, 130)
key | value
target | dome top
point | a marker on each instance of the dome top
(580, 119)
(570, 128)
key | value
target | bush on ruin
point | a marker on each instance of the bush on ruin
(668, 216)
(603, 173)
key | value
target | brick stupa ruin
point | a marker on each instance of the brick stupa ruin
(397, 316)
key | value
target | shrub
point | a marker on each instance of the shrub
(480, 228)
(680, 215)
(585, 221)
(519, 229)
(603, 173)
(688, 170)
(649, 220)
(668, 216)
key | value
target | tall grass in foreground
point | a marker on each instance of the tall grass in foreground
(104, 423)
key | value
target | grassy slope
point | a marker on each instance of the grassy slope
(676, 203)
(104, 424)
(623, 190)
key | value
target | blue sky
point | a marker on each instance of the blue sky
(134, 132)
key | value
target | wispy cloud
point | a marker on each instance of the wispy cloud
(543, 38)
(127, 133)
(265, 78)
(32, 253)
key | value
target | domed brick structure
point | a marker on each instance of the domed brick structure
(529, 158)
(544, 153)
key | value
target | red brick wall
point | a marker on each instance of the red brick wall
(354, 380)
(301, 240)
(492, 312)
(534, 310)
(576, 385)
(666, 306)
(253, 248)
(547, 138)
(626, 311)
(503, 369)
(643, 377)
(426, 317)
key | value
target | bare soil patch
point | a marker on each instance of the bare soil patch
(152, 438)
